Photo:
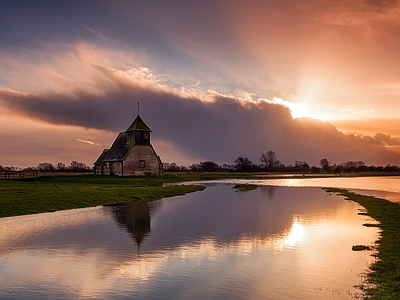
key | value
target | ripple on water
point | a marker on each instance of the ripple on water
(268, 243)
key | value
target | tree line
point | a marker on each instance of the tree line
(75, 166)
(269, 162)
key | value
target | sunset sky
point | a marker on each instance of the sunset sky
(215, 79)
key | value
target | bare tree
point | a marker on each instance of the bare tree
(209, 166)
(325, 164)
(45, 167)
(270, 160)
(60, 166)
(301, 166)
(79, 166)
(195, 168)
(243, 164)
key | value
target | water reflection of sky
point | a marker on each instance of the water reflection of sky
(270, 243)
(386, 187)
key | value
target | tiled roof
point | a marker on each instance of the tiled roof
(117, 151)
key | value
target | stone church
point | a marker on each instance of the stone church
(131, 154)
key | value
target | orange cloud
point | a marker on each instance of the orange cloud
(369, 126)
(86, 142)
(218, 130)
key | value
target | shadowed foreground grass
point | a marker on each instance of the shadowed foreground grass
(385, 273)
(53, 193)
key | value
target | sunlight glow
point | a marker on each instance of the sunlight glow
(298, 110)
(296, 233)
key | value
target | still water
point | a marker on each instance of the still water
(268, 243)
(386, 187)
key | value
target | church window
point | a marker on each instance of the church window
(142, 163)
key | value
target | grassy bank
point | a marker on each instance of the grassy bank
(53, 193)
(385, 273)
(60, 192)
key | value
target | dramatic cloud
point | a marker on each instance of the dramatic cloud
(215, 79)
(208, 126)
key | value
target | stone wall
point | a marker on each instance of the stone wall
(142, 160)
(106, 169)
(116, 168)
(97, 169)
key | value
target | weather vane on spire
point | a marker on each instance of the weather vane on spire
(138, 108)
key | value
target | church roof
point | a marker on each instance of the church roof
(138, 125)
(117, 151)
(103, 155)
(121, 145)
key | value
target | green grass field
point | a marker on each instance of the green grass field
(384, 278)
(52, 193)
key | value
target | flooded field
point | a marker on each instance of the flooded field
(269, 243)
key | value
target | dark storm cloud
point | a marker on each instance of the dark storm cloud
(316, 51)
(220, 130)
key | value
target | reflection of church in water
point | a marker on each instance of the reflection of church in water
(134, 217)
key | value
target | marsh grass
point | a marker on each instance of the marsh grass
(245, 187)
(384, 278)
(53, 193)
(360, 248)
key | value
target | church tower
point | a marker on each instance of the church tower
(131, 154)
(138, 132)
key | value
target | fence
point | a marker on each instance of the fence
(18, 174)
